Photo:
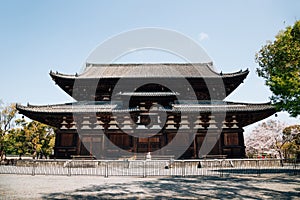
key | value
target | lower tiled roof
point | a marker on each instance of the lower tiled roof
(221, 107)
(149, 94)
(88, 107)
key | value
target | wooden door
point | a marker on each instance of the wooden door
(148, 144)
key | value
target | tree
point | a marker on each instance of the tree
(40, 139)
(7, 116)
(16, 142)
(291, 141)
(279, 63)
(264, 139)
(274, 138)
(33, 138)
(19, 137)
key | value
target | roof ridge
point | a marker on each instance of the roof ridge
(140, 64)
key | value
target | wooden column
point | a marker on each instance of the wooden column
(242, 143)
(195, 147)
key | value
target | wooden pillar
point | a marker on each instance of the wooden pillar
(148, 145)
(242, 143)
(106, 120)
(221, 140)
(57, 143)
(78, 145)
(134, 139)
(164, 141)
(195, 147)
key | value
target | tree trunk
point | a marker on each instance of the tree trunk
(281, 158)
(1, 155)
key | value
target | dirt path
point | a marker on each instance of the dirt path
(208, 187)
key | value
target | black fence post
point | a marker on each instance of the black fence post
(33, 168)
(106, 170)
(69, 168)
(183, 168)
(221, 168)
(145, 169)
(258, 168)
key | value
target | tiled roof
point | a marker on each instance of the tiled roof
(86, 108)
(223, 107)
(73, 108)
(149, 94)
(159, 70)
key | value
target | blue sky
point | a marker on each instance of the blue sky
(39, 36)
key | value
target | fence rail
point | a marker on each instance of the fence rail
(146, 168)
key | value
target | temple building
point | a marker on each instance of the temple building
(172, 109)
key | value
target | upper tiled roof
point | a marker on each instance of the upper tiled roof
(163, 70)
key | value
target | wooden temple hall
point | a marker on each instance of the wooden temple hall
(107, 120)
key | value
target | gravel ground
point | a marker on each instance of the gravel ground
(203, 187)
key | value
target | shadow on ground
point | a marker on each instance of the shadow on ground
(190, 188)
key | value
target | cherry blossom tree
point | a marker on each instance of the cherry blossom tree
(264, 139)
